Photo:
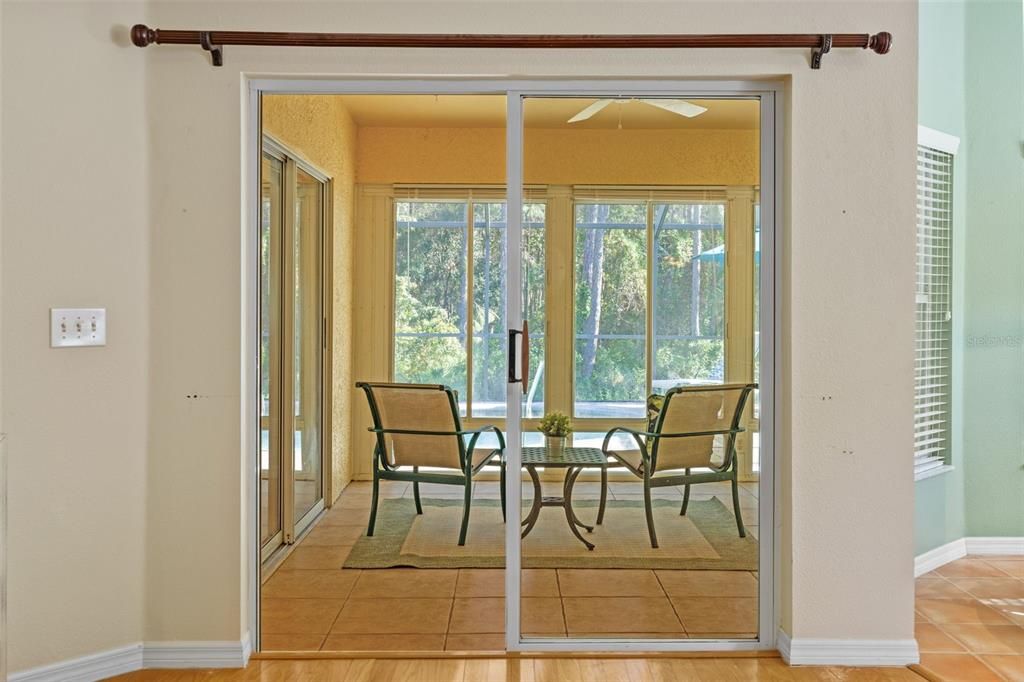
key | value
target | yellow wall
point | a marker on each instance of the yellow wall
(144, 214)
(320, 130)
(559, 157)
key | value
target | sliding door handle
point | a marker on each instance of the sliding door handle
(519, 355)
(525, 376)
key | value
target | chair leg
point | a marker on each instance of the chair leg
(686, 497)
(373, 504)
(736, 508)
(465, 510)
(604, 495)
(650, 513)
(416, 492)
(501, 485)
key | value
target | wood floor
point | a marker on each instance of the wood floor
(528, 670)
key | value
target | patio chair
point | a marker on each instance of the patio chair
(418, 426)
(695, 428)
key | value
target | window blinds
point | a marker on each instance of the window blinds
(933, 324)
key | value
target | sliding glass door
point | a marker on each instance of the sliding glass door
(639, 497)
(292, 324)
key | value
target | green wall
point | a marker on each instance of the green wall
(971, 84)
(994, 270)
(939, 501)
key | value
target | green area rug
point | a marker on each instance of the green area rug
(704, 539)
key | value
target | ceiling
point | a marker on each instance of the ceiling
(488, 111)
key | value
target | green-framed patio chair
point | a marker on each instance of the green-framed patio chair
(418, 425)
(695, 428)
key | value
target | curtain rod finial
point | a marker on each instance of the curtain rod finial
(880, 42)
(143, 35)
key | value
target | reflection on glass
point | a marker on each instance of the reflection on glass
(307, 342)
(270, 221)
(688, 345)
(611, 309)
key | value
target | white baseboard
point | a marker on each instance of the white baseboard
(995, 545)
(133, 657)
(196, 654)
(940, 556)
(97, 666)
(958, 549)
(853, 652)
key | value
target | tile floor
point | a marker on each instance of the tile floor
(309, 604)
(970, 619)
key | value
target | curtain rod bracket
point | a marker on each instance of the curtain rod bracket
(216, 51)
(818, 52)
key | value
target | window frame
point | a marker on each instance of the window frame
(560, 383)
(470, 195)
(943, 143)
(649, 198)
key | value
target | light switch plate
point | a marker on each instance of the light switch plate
(78, 327)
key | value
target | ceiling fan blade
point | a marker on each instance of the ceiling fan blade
(590, 110)
(677, 106)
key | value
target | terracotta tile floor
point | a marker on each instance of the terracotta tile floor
(309, 604)
(970, 619)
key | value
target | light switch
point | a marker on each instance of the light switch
(78, 327)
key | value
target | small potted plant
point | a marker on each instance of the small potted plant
(555, 426)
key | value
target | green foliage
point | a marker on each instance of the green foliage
(426, 359)
(555, 424)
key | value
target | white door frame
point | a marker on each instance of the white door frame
(771, 214)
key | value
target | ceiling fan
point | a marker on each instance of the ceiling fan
(676, 106)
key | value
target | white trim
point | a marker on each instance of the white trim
(773, 129)
(140, 656)
(938, 140)
(958, 549)
(853, 652)
(982, 545)
(783, 644)
(196, 654)
(97, 666)
(940, 556)
(936, 471)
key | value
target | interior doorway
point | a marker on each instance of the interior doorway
(639, 245)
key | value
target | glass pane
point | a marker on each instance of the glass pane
(307, 342)
(430, 294)
(270, 225)
(489, 328)
(756, 398)
(637, 303)
(610, 309)
(688, 346)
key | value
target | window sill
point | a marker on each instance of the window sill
(945, 468)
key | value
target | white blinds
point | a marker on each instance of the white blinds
(933, 326)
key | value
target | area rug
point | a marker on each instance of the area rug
(704, 539)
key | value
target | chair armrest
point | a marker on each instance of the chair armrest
(415, 432)
(476, 433)
(688, 434)
(634, 433)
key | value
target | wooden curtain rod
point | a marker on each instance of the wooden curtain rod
(213, 41)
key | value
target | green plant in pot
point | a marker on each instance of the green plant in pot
(555, 426)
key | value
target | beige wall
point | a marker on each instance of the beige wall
(559, 157)
(148, 222)
(76, 233)
(321, 131)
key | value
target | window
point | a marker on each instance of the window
(933, 321)
(628, 253)
(450, 299)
